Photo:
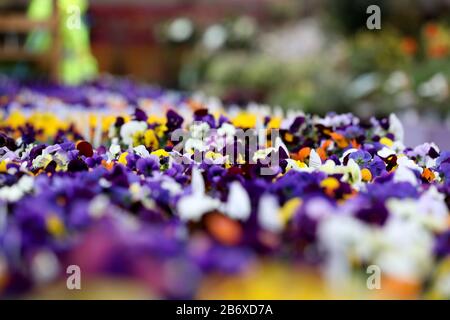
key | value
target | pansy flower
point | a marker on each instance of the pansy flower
(91, 175)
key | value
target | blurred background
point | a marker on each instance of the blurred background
(313, 55)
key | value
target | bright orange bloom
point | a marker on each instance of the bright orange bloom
(428, 175)
(107, 165)
(340, 140)
(409, 46)
(438, 51)
(326, 144)
(224, 229)
(431, 30)
(195, 105)
(355, 144)
(322, 153)
(303, 153)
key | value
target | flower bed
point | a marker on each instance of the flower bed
(97, 176)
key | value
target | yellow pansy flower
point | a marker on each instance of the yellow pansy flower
(150, 139)
(47, 122)
(16, 119)
(3, 166)
(386, 141)
(289, 208)
(330, 183)
(55, 226)
(289, 137)
(212, 155)
(366, 174)
(123, 158)
(160, 130)
(156, 119)
(107, 121)
(245, 120)
(274, 123)
(160, 153)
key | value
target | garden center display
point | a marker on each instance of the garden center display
(157, 187)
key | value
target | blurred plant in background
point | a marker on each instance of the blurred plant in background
(314, 55)
(329, 62)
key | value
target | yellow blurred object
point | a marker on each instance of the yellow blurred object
(55, 226)
(96, 288)
(245, 120)
(271, 280)
(276, 280)
(366, 174)
(289, 208)
(123, 158)
(386, 141)
(160, 153)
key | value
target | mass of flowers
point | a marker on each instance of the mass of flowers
(92, 176)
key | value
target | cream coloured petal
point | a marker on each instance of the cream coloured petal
(396, 127)
(385, 152)
(238, 202)
(314, 160)
(268, 213)
(405, 174)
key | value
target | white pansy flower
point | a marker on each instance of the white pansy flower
(26, 183)
(261, 154)
(226, 129)
(42, 160)
(17, 191)
(433, 209)
(404, 208)
(138, 192)
(344, 234)
(8, 155)
(404, 161)
(329, 167)
(386, 152)
(314, 160)
(405, 174)
(352, 173)
(172, 186)
(199, 130)
(98, 206)
(215, 158)
(268, 213)
(421, 151)
(44, 267)
(195, 205)
(129, 129)
(318, 208)
(141, 151)
(113, 151)
(398, 146)
(195, 144)
(406, 249)
(293, 165)
(61, 159)
(336, 120)
(238, 202)
(396, 127)
(430, 210)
